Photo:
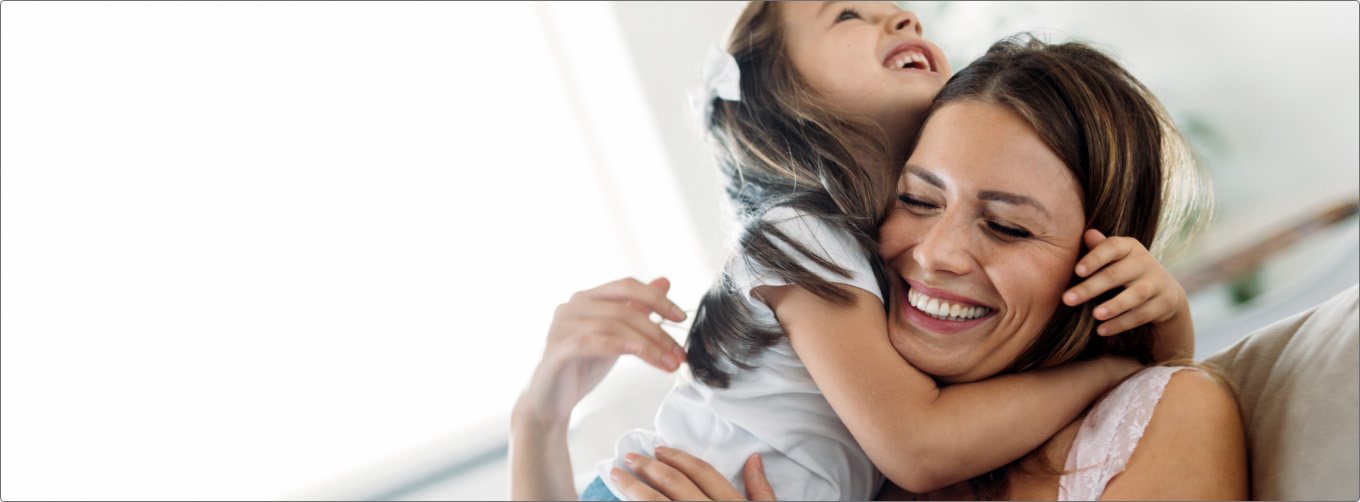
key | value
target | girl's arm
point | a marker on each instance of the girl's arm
(587, 335)
(1194, 447)
(921, 436)
(1150, 295)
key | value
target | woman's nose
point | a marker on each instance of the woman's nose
(943, 249)
(906, 20)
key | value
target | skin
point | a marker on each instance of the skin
(946, 235)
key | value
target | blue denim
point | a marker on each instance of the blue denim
(597, 490)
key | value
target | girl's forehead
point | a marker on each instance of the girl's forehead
(802, 13)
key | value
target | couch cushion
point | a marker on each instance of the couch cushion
(1298, 385)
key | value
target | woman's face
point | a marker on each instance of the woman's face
(869, 58)
(981, 243)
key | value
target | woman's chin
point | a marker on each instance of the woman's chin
(945, 365)
(944, 349)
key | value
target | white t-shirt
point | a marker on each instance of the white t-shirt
(774, 409)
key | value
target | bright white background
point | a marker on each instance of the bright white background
(259, 250)
(249, 247)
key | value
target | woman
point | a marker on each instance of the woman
(1019, 153)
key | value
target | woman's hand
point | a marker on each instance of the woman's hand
(676, 475)
(1151, 294)
(586, 337)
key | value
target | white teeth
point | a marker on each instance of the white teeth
(912, 58)
(944, 310)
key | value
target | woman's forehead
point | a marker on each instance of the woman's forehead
(983, 147)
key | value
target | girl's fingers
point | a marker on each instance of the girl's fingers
(757, 487)
(669, 481)
(1092, 238)
(714, 485)
(1137, 317)
(1106, 252)
(1134, 295)
(1117, 274)
(632, 488)
(630, 289)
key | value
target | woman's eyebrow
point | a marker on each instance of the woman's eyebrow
(925, 175)
(988, 195)
(1012, 198)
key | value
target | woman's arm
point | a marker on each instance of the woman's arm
(540, 467)
(1193, 448)
(587, 335)
(921, 436)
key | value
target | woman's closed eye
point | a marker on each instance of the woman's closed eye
(921, 206)
(847, 14)
(1009, 231)
(916, 203)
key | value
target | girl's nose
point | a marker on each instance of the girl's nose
(905, 21)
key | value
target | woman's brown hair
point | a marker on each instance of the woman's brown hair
(783, 145)
(1133, 167)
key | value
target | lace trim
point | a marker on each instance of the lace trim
(1110, 433)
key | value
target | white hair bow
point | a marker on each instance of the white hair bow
(721, 79)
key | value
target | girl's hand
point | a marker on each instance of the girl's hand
(1150, 294)
(586, 337)
(677, 475)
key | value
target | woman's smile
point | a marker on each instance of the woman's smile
(940, 311)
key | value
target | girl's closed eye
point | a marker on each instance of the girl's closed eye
(847, 14)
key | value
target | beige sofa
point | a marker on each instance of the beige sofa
(1298, 385)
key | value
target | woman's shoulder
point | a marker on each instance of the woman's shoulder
(1170, 391)
(1193, 445)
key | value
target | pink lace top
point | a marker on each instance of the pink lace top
(1110, 433)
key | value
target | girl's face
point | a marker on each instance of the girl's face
(869, 58)
(981, 243)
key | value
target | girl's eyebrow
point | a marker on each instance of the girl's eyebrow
(987, 195)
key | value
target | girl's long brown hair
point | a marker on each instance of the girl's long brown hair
(783, 145)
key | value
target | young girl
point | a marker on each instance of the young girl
(788, 352)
